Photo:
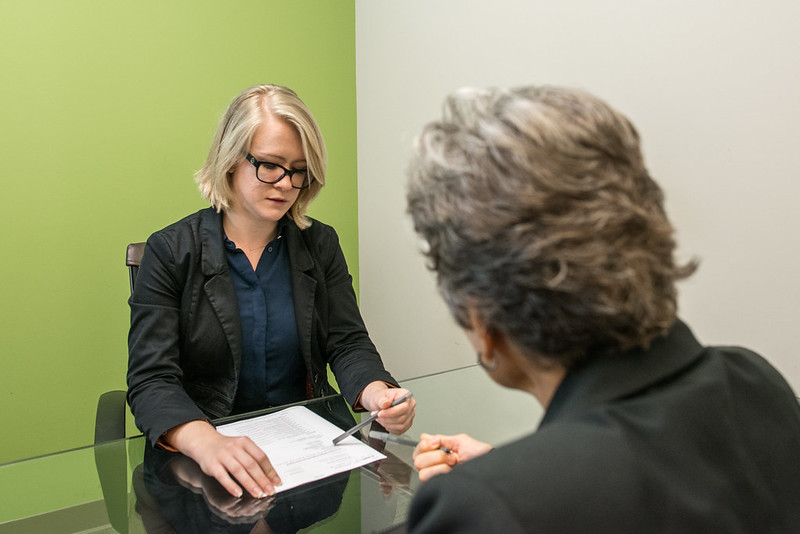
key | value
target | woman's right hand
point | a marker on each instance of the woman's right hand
(431, 460)
(228, 459)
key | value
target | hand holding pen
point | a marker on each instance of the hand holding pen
(431, 459)
(394, 414)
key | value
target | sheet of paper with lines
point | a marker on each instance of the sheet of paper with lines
(299, 445)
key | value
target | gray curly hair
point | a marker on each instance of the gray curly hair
(540, 216)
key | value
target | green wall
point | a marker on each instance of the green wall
(107, 109)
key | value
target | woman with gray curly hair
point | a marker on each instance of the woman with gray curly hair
(553, 251)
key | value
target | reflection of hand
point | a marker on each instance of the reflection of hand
(237, 511)
(377, 397)
(234, 510)
(392, 471)
(226, 458)
(430, 460)
(187, 472)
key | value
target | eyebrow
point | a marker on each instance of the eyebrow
(269, 157)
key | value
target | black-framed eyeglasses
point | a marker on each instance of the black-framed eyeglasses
(272, 173)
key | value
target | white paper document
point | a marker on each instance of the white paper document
(299, 444)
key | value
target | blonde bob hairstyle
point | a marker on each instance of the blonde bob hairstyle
(235, 132)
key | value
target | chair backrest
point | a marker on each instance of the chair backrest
(133, 258)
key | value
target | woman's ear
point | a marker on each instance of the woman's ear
(482, 339)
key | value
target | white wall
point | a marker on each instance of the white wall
(712, 86)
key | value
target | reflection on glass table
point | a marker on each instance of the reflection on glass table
(159, 492)
(174, 496)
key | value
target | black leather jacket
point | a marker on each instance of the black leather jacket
(185, 341)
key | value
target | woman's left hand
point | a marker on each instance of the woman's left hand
(378, 397)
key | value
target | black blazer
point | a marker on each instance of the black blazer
(185, 340)
(676, 439)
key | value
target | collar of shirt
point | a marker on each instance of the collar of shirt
(230, 245)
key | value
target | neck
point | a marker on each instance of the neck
(246, 233)
(540, 376)
(547, 382)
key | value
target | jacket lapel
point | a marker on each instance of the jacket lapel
(304, 287)
(218, 286)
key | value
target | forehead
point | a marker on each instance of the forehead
(276, 137)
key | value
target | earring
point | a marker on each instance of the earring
(487, 367)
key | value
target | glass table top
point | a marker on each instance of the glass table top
(126, 486)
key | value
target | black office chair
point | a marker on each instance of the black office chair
(133, 257)
(110, 454)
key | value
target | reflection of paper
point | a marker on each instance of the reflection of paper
(299, 444)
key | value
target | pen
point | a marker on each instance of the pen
(369, 419)
(391, 438)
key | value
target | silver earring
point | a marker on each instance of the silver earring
(488, 368)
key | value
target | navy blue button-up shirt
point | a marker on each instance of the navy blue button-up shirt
(272, 370)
